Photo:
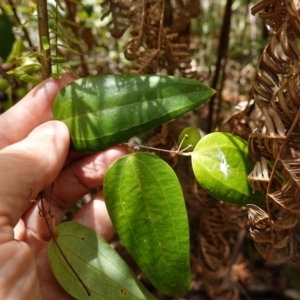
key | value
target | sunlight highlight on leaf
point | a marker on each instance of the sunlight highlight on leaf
(145, 202)
(102, 111)
(221, 164)
(104, 273)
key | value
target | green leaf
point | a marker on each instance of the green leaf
(56, 70)
(146, 205)
(103, 111)
(189, 138)
(101, 269)
(16, 51)
(221, 164)
(45, 43)
(30, 79)
(27, 68)
(7, 37)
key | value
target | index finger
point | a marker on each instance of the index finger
(34, 109)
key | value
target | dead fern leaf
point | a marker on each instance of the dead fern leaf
(219, 224)
(276, 90)
(117, 11)
(159, 35)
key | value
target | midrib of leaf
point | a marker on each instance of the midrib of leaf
(135, 104)
(153, 227)
(62, 245)
(129, 225)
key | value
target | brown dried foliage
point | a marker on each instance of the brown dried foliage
(159, 33)
(118, 10)
(220, 225)
(275, 144)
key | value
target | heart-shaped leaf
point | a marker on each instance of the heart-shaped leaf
(103, 272)
(103, 111)
(221, 164)
(145, 202)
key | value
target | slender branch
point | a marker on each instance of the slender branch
(222, 51)
(53, 230)
(44, 37)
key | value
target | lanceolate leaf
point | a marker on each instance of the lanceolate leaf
(145, 202)
(101, 269)
(103, 111)
(221, 164)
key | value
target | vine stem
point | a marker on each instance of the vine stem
(54, 232)
(177, 152)
(44, 37)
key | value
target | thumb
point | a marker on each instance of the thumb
(30, 166)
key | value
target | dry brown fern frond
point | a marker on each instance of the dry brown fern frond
(146, 37)
(137, 16)
(273, 15)
(159, 36)
(158, 136)
(239, 123)
(146, 62)
(275, 145)
(220, 224)
(118, 11)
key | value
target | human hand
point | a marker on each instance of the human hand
(34, 154)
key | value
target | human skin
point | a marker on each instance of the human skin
(34, 153)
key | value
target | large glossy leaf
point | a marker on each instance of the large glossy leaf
(101, 269)
(145, 202)
(221, 164)
(103, 111)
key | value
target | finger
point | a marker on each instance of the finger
(28, 167)
(34, 109)
(84, 175)
(75, 181)
(95, 216)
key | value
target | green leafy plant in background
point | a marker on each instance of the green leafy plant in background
(22, 66)
(19, 64)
